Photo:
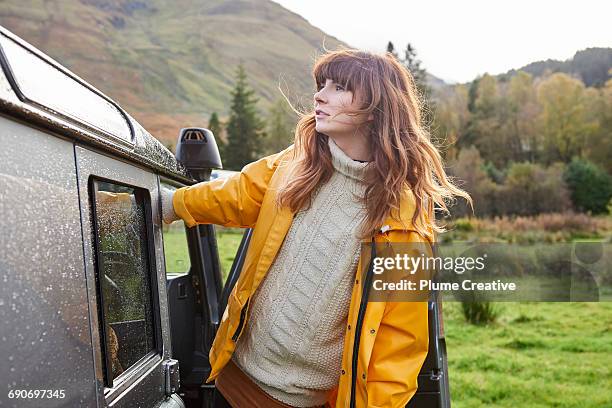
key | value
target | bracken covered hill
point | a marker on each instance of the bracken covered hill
(171, 63)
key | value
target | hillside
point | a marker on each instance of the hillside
(171, 64)
(591, 65)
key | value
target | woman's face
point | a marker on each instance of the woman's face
(332, 105)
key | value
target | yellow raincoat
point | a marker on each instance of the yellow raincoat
(394, 335)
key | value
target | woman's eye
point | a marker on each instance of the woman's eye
(338, 87)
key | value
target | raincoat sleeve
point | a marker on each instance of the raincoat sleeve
(401, 347)
(233, 201)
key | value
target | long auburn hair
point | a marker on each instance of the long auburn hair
(403, 154)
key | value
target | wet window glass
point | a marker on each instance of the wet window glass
(47, 86)
(176, 250)
(124, 276)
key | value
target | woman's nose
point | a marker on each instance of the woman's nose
(319, 97)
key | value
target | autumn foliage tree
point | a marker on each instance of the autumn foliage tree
(539, 140)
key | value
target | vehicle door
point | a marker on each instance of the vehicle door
(126, 282)
(193, 279)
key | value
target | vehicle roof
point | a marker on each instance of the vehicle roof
(29, 85)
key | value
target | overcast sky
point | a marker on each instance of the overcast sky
(458, 40)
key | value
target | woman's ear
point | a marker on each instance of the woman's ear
(370, 117)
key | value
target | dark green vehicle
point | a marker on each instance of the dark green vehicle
(100, 303)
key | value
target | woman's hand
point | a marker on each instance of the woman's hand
(168, 214)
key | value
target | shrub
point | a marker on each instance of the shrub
(531, 189)
(590, 186)
(479, 313)
(469, 169)
(463, 224)
(559, 227)
(523, 189)
(498, 176)
(551, 227)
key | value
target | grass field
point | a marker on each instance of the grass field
(534, 355)
(177, 254)
(228, 241)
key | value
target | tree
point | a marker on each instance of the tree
(562, 121)
(419, 77)
(470, 172)
(214, 125)
(486, 128)
(486, 96)
(280, 126)
(531, 189)
(450, 119)
(391, 49)
(591, 186)
(244, 128)
(599, 142)
(414, 66)
(524, 110)
(472, 94)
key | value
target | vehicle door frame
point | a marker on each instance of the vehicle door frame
(144, 383)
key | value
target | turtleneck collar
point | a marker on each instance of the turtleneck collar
(344, 164)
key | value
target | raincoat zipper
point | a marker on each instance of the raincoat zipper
(360, 316)
(241, 321)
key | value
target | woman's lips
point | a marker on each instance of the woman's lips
(320, 114)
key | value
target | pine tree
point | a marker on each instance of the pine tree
(244, 128)
(419, 75)
(414, 66)
(280, 127)
(214, 125)
(391, 49)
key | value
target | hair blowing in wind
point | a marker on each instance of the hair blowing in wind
(403, 155)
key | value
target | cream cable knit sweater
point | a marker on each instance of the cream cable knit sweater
(292, 344)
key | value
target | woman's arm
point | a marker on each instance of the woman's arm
(233, 201)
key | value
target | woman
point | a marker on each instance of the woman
(295, 332)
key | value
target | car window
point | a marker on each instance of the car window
(176, 249)
(124, 276)
(41, 83)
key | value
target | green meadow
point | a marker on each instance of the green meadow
(534, 355)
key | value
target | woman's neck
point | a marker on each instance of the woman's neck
(355, 146)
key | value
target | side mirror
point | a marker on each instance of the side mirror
(197, 150)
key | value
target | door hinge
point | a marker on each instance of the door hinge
(171, 372)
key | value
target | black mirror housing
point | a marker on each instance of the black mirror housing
(197, 150)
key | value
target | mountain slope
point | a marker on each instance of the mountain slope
(171, 64)
(591, 65)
